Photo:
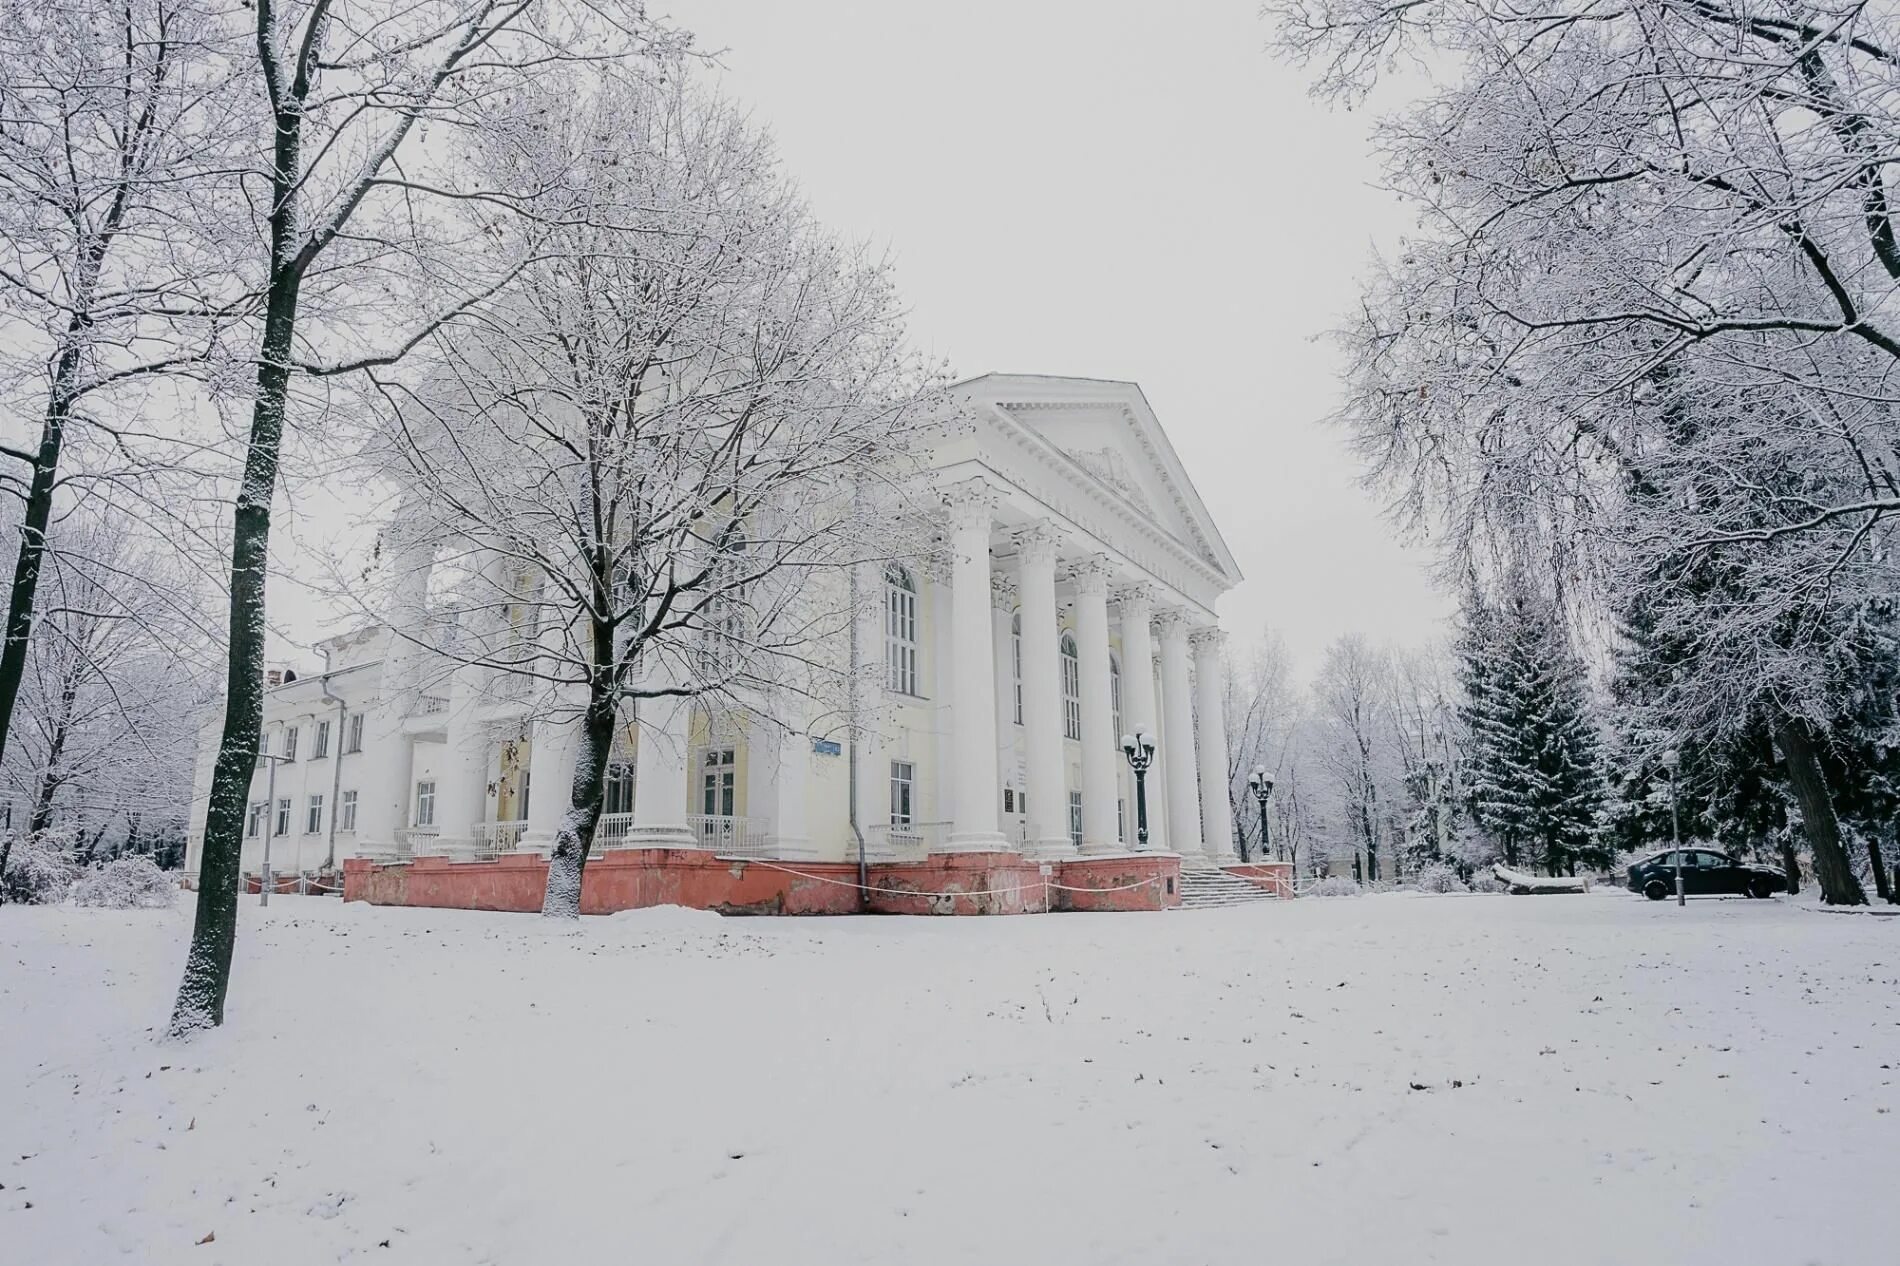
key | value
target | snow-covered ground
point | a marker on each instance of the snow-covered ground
(1393, 1079)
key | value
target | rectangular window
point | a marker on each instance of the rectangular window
(282, 825)
(320, 746)
(1071, 691)
(1009, 800)
(718, 783)
(900, 631)
(290, 742)
(346, 811)
(618, 796)
(1016, 663)
(425, 803)
(353, 734)
(903, 793)
(313, 816)
(1075, 818)
(254, 824)
(1121, 821)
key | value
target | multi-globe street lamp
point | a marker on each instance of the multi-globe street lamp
(1261, 784)
(1139, 748)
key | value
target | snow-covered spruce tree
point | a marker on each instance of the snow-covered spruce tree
(650, 467)
(365, 238)
(1622, 210)
(117, 128)
(1535, 777)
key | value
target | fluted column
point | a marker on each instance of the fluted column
(1003, 691)
(1217, 811)
(461, 801)
(659, 775)
(1136, 603)
(1047, 818)
(978, 796)
(551, 754)
(1099, 750)
(1177, 743)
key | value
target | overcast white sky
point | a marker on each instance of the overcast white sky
(1117, 189)
(1114, 189)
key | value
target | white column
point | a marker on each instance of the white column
(1003, 604)
(790, 754)
(461, 790)
(874, 771)
(1136, 604)
(1048, 830)
(551, 753)
(1100, 750)
(978, 797)
(387, 766)
(1217, 811)
(1177, 743)
(659, 775)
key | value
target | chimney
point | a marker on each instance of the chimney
(273, 677)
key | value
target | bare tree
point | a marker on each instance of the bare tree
(651, 465)
(357, 211)
(1350, 700)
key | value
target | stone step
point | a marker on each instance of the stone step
(1210, 889)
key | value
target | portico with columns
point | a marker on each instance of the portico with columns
(1070, 601)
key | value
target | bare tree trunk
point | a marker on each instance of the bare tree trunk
(575, 837)
(1883, 885)
(214, 929)
(1832, 870)
(1790, 863)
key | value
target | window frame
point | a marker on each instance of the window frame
(719, 782)
(902, 673)
(346, 810)
(1016, 660)
(313, 814)
(320, 742)
(1071, 688)
(903, 794)
(353, 735)
(254, 820)
(280, 821)
(422, 798)
(1075, 818)
(290, 743)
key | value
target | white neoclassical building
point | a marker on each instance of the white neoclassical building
(1077, 605)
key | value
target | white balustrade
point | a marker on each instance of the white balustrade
(492, 839)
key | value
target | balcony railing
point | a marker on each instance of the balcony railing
(492, 839)
(729, 835)
(429, 705)
(416, 841)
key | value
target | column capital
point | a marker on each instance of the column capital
(1037, 542)
(1090, 575)
(1173, 623)
(1002, 591)
(972, 502)
(1139, 595)
(1208, 638)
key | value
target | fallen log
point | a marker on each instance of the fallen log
(1523, 885)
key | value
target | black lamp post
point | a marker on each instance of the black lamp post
(1139, 748)
(1671, 762)
(1261, 784)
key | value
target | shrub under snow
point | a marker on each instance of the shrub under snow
(1439, 877)
(127, 883)
(1335, 886)
(39, 871)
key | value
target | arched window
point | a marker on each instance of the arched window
(1115, 694)
(900, 630)
(1071, 690)
(1016, 661)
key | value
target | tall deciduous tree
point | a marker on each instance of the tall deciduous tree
(669, 441)
(358, 212)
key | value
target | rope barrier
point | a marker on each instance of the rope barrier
(1043, 886)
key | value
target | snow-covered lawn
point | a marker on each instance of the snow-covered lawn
(1393, 1079)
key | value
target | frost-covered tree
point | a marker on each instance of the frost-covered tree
(367, 236)
(117, 130)
(1262, 711)
(652, 464)
(1646, 326)
(1534, 776)
(1350, 707)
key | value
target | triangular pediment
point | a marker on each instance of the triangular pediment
(1110, 435)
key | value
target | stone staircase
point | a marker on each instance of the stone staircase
(1207, 889)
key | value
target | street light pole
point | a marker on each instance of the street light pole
(270, 827)
(1671, 760)
(1139, 748)
(1262, 787)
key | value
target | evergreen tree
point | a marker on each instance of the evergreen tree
(1535, 769)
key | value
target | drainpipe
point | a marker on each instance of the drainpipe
(336, 760)
(857, 828)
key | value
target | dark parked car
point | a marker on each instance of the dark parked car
(1705, 872)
